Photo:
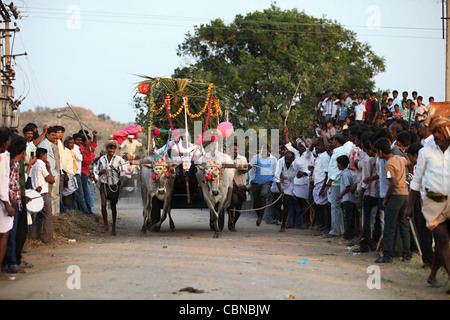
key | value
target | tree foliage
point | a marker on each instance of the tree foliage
(261, 57)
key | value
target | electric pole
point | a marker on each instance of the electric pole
(446, 35)
(9, 107)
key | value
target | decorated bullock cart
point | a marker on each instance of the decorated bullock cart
(185, 166)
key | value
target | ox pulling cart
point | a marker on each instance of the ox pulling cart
(177, 173)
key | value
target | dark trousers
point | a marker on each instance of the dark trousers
(78, 201)
(371, 232)
(44, 221)
(86, 194)
(394, 216)
(22, 231)
(424, 235)
(10, 255)
(349, 219)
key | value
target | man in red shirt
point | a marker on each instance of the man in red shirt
(88, 156)
(368, 105)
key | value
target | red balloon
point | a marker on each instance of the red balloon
(144, 88)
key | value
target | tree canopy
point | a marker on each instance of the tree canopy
(262, 57)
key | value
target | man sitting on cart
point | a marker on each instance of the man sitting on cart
(129, 146)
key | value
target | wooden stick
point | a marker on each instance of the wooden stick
(79, 121)
(292, 101)
(415, 236)
(188, 192)
(379, 243)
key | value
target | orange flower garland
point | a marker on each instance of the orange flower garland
(215, 102)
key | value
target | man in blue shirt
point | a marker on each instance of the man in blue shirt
(342, 110)
(261, 175)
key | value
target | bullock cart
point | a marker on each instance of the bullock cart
(171, 175)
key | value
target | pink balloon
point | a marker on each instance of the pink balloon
(225, 129)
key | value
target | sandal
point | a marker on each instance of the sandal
(15, 269)
(383, 260)
(6, 277)
(25, 264)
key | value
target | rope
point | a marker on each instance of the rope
(257, 209)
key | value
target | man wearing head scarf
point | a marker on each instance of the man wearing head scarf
(110, 169)
(433, 172)
(129, 146)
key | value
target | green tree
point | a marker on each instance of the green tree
(261, 57)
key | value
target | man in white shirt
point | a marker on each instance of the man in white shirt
(129, 146)
(329, 106)
(360, 111)
(422, 112)
(41, 177)
(288, 168)
(333, 184)
(50, 143)
(320, 180)
(110, 169)
(433, 172)
(427, 139)
(6, 210)
(69, 168)
(239, 194)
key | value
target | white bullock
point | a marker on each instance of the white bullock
(157, 179)
(216, 183)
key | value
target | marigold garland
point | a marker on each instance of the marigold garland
(215, 102)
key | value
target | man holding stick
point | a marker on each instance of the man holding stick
(110, 169)
(433, 172)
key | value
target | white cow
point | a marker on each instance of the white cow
(157, 179)
(216, 183)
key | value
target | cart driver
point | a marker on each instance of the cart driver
(129, 146)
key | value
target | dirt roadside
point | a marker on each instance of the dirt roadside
(255, 263)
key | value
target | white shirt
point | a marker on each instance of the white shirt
(111, 176)
(130, 147)
(186, 152)
(240, 179)
(62, 155)
(360, 109)
(4, 175)
(286, 176)
(329, 106)
(38, 174)
(420, 110)
(305, 159)
(348, 147)
(6, 222)
(78, 158)
(333, 171)
(321, 167)
(432, 170)
(68, 158)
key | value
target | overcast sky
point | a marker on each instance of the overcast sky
(88, 53)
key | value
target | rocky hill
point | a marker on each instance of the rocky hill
(101, 123)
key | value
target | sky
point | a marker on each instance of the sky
(90, 53)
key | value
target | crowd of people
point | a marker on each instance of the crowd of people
(362, 177)
(62, 170)
(370, 171)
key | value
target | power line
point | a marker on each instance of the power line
(251, 29)
(63, 15)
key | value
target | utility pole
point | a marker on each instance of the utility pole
(8, 107)
(445, 17)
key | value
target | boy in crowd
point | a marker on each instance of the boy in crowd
(347, 197)
(395, 202)
(41, 177)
